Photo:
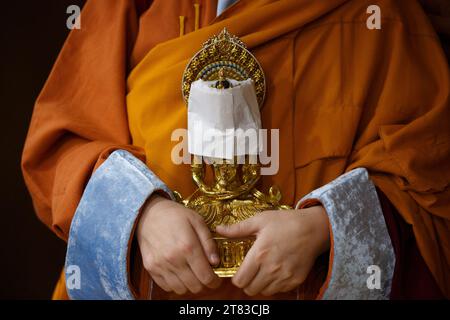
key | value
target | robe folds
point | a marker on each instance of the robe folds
(342, 95)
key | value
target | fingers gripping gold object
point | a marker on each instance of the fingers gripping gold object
(231, 197)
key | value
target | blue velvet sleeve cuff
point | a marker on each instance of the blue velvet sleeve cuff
(362, 257)
(103, 223)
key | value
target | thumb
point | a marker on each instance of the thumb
(242, 229)
(206, 240)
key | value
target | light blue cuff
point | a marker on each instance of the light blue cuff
(363, 260)
(99, 238)
(222, 5)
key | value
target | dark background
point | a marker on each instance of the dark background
(32, 33)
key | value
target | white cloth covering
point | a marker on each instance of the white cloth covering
(223, 123)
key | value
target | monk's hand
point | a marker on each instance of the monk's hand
(286, 247)
(176, 246)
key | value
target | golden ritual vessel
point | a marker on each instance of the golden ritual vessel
(231, 196)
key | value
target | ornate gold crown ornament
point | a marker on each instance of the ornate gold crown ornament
(227, 52)
(232, 196)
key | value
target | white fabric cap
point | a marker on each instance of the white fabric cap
(223, 123)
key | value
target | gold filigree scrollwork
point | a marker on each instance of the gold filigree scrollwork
(224, 51)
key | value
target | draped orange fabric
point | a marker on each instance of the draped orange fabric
(343, 96)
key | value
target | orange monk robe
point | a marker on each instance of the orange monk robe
(343, 97)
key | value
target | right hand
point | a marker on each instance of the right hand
(176, 246)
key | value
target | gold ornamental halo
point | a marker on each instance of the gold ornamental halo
(227, 52)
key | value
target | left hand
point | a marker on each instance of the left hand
(286, 247)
